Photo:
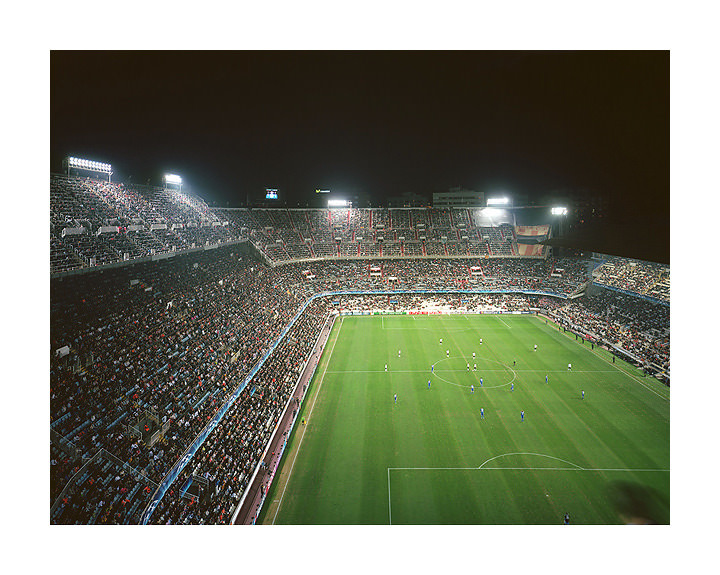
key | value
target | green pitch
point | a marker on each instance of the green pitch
(431, 458)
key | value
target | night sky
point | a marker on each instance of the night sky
(375, 123)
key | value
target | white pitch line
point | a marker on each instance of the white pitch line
(389, 499)
(529, 453)
(478, 371)
(429, 329)
(506, 325)
(322, 378)
(525, 469)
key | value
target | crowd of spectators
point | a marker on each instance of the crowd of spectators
(372, 232)
(174, 344)
(93, 223)
(431, 274)
(632, 324)
(231, 453)
(645, 278)
(104, 492)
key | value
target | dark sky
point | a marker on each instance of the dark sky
(381, 123)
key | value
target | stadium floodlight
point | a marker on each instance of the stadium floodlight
(492, 212)
(90, 165)
(559, 211)
(498, 201)
(172, 179)
(338, 203)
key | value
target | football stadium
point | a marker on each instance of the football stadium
(346, 365)
(338, 353)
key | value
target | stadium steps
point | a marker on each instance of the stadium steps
(60, 419)
(78, 429)
(118, 420)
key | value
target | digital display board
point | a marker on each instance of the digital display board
(271, 194)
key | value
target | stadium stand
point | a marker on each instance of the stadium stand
(638, 329)
(95, 223)
(150, 221)
(643, 278)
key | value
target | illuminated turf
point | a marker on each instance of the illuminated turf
(431, 459)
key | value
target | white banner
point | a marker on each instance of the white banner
(72, 231)
(108, 230)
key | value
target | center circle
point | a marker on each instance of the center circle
(477, 374)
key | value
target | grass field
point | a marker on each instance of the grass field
(431, 458)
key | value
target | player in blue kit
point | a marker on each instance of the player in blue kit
(472, 388)
(546, 378)
(583, 394)
(522, 416)
(428, 384)
(481, 382)
(482, 413)
(396, 398)
(512, 387)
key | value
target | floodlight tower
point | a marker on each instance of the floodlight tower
(500, 205)
(559, 214)
(503, 201)
(87, 165)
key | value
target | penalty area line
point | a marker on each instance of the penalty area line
(389, 499)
